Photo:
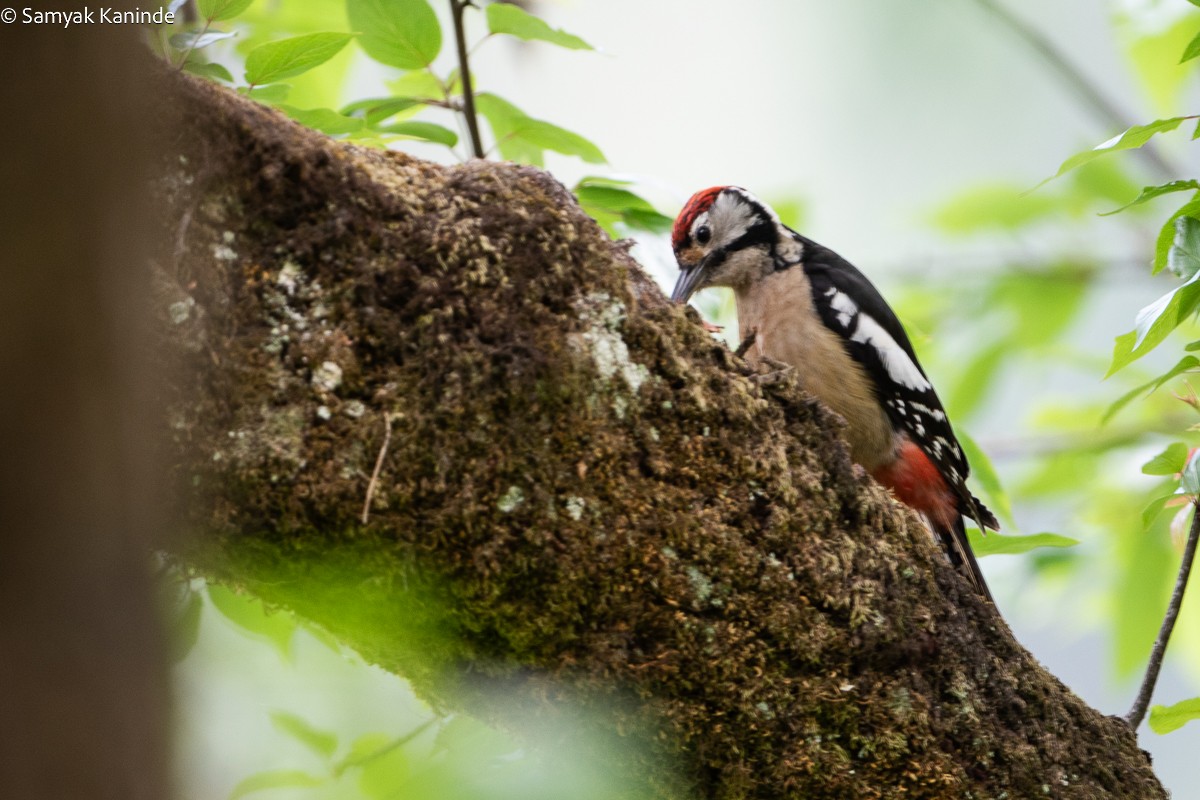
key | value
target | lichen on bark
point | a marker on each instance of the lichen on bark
(582, 495)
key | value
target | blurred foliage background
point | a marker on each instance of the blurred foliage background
(913, 137)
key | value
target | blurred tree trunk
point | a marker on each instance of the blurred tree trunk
(83, 692)
(572, 491)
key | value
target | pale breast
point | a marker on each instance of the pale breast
(780, 309)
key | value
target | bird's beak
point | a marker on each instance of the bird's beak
(689, 279)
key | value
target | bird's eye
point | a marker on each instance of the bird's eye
(703, 234)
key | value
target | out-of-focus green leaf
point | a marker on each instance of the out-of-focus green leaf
(1096, 184)
(1183, 258)
(1155, 59)
(320, 742)
(211, 70)
(972, 384)
(1166, 235)
(218, 10)
(426, 131)
(385, 769)
(249, 615)
(790, 211)
(1044, 302)
(1151, 192)
(325, 120)
(1169, 462)
(1185, 364)
(1143, 560)
(399, 33)
(985, 473)
(274, 93)
(1164, 719)
(287, 58)
(1130, 139)
(996, 544)
(520, 137)
(275, 779)
(992, 206)
(379, 109)
(198, 40)
(418, 84)
(1155, 322)
(515, 21)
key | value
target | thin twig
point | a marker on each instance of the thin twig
(1138, 712)
(1100, 105)
(388, 419)
(464, 70)
(744, 347)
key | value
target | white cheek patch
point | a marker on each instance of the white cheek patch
(899, 366)
(731, 217)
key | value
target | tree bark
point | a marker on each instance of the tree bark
(582, 495)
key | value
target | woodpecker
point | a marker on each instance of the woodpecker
(811, 309)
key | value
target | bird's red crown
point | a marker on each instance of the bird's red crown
(700, 202)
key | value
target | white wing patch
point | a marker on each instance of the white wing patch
(899, 366)
(843, 305)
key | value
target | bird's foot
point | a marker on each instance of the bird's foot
(778, 372)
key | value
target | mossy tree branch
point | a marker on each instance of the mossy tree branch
(583, 495)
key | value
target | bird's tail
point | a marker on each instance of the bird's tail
(954, 540)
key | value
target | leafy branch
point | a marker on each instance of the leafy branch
(1138, 712)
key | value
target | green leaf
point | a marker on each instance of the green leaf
(520, 137)
(600, 198)
(275, 61)
(320, 742)
(1130, 139)
(274, 779)
(378, 109)
(515, 21)
(249, 615)
(210, 70)
(1169, 462)
(1154, 508)
(427, 131)
(420, 84)
(551, 137)
(1190, 480)
(1185, 364)
(218, 10)
(1155, 322)
(325, 120)
(1192, 50)
(985, 473)
(1164, 719)
(1166, 235)
(274, 93)
(399, 33)
(1151, 192)
(1183, 257)
(998, 544)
